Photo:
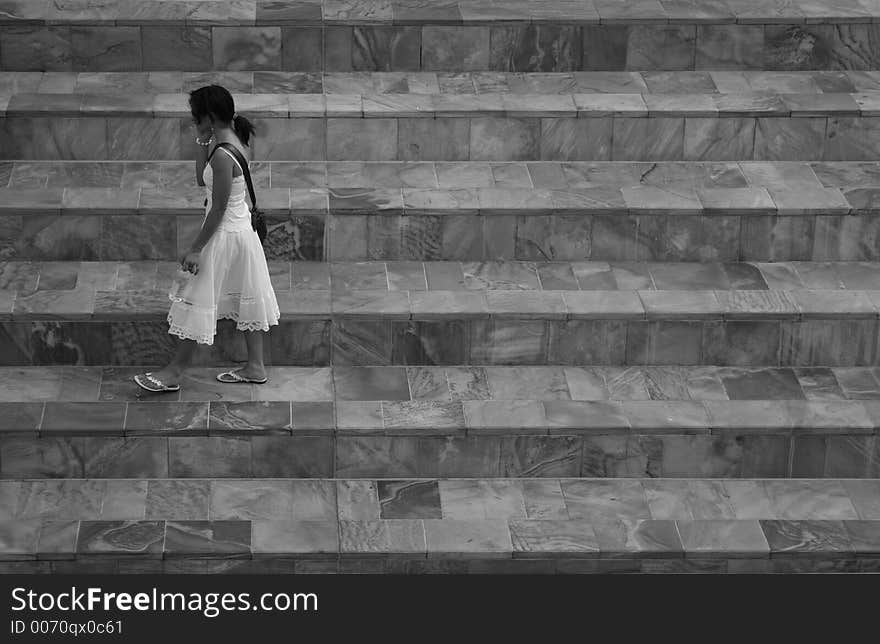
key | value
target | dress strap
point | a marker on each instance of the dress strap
(231, 156)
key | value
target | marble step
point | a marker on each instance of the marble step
(480, 127)
(609, 211)
(678, 314)
(453, 36)
(445, 525)
(662, 454)
(369, 83)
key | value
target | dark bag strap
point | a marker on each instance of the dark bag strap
(244, 167)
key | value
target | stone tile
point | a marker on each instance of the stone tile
(105, 418)
(295, 537)
(293, 457)
(396, 537)
(553, 538)
(119, 538)
(177, 499)
(732, 538)
(814, 500)
(454, 538)
(535, 48)
(493, 416)
(436, 417)
(574, 139)
(852, 138)
(655, 139)
(761, 384)
(497, 139)
(208, 538)
(707, 139)
(211, 456)
(863, 494)
(726, 46)
(159, 418)
(455, 48)
(371, 383)
(602, 500)
(829, 538)
(535, 383)
(628, 537)
(781, 139)
(467, 383)
(669, 47)
(819, 383)
(409, 499)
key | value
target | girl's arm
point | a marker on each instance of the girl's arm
(221, 165)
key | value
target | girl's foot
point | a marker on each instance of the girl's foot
(155, 383)
(245, 374)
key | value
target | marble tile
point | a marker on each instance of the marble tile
(105, 49)
(541, 456)
(291, 139)
(36, 48)
(535, 48)
(496, 139)
(741, 343)
(665, 47)
(819, 383)
(249, 500)
(297, 456)
(605, 47)
(177, 499)
(295, 537)
(183, 48)
(808, 536)
(852, 138)
(655, 139)
(74, 417)
(814, 500)
(445, 139)
(728, 47)
(447, 48)
(396, 537)
(600, 500)
(461, 538)
(719, 139)
(863, 494)
(250, 48)
(761, 384)
(467, 383)
(535, 383)
(732, 538)
(781, 139)
(213, 456)
(553, 538)
(143, 538)
(409, 499)
(574, 139)
(373, 139)
(827, 343)
(208, 538)
(371, 383)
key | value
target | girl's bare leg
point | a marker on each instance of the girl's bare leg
(254, 368)
(170, 375)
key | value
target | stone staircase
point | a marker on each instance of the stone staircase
(565, 286)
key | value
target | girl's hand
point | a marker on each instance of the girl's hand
(190, 262)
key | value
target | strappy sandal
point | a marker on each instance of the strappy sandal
(233, 377)
(152, 384)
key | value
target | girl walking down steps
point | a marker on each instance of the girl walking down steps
(228, 275)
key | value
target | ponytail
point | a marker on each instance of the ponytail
(243, 128)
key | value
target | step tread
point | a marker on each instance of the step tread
(446, 401)
(321, 386)
(732, 83)
(253, 12)
(496, 104)
(458, 290)
(466, 187)
(506, 518)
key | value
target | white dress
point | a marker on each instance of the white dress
(233, 280)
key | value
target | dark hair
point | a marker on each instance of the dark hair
(217, 101)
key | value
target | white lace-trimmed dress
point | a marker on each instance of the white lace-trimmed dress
(233, 281)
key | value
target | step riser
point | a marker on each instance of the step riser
(436, 47)
(728, 456)
(463, 237)
(831, 342)
(398, 566)
(477, 138)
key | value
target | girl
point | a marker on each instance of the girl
(230, 277)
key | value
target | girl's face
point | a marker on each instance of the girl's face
(202, 126)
